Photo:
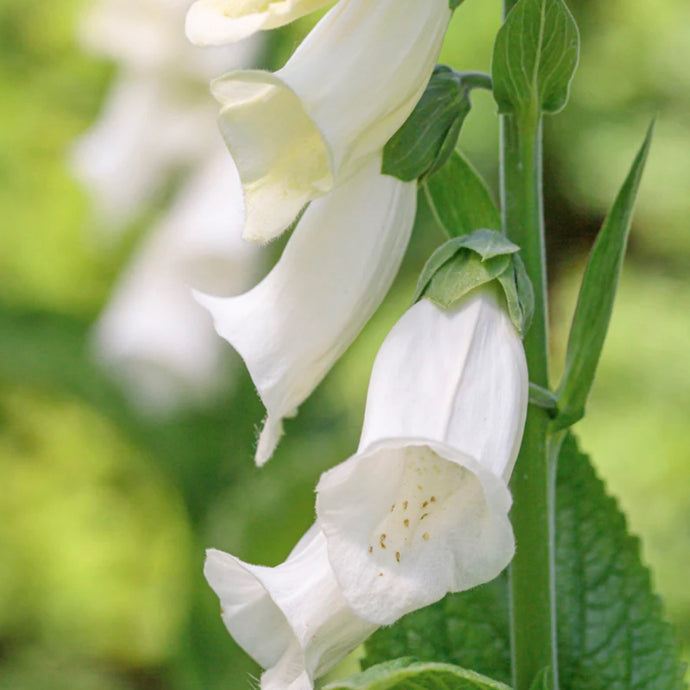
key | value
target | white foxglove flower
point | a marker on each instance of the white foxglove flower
(344, 92)
(422, 508)
(157, 118)
(291, 619)
(335, 270)
(152, 332)
(212, 22)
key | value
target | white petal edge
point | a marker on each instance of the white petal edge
(344, 92)
(409, 520)
(292, 619)
(214, 22)
(335, 270)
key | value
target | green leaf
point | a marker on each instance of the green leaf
(611, 632)
(428, 136)
(597, 294)
(408, 674)
(543, 680)
(535, 56)
(459, 198)
(469, 629)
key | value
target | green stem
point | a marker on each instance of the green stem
(533, 629)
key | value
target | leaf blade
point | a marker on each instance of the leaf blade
(408, 674)
(597, 294)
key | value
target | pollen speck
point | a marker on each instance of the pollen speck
(425, 536)
(425, 504)
(420, 487)
(371, 549)
(380, 574)
(433, 499)
(423, 516)
(397, 556)
(382, 541)
(392, 507)
(404, 505)
(406, 522)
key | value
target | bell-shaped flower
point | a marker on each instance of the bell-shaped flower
(335, 270)
(422, 508)
(152, 333)
(291, 619)
(213, 22)
(157, 119)
(344, 92)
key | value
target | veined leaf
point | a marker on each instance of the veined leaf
(469, 629)
(595, 301)
(459, 198)
(611, 633)
(535, 57)
(408, 674)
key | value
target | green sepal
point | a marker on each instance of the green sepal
(459, 198)
(453, 4)
(597, 294)
(519, 293)
(465, 263)
(409, 674)
(462, 274)
(535, 56)
(428, 137)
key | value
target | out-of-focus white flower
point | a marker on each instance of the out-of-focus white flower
(422, 508)
(334, 272)
(212, 22)
(292, 619)
(157, 119)
(158, 125)
(152, 332)
(344, 92)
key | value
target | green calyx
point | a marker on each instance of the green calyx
(427, 138)
(465, 263)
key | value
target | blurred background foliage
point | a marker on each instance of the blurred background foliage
(105, 513)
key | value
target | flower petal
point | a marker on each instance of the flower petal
(344, 92)
(407, 521)
(456, 376)
(292, 619)
(152, 332)
(422, 508)
(335, 270)
(213, 22)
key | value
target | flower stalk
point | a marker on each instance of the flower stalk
(532, 585)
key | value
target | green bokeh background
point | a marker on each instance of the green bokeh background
(104, 515)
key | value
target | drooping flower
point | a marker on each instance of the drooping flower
(212, 22)
(157, 118)
(291, 619)
(335, 270)
(158, 126)
(344, 92)
(422, 508)
(152, 333)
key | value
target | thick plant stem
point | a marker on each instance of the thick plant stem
(532, 590)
